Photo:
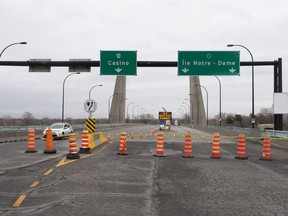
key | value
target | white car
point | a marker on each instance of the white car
(59, 130)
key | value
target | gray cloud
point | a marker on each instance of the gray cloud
(63, 30)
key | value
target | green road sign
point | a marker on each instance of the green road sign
(118, 63)
(211, 63)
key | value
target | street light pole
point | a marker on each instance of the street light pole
(128, 110)
(109, 102)
(139, 112)
(22, 43)
(90, 114)
(91, 90)
(188, 111)
(220, 117)
(196, 107)
(253, 115)
(63, 92)
(133, 111)
(120, 109)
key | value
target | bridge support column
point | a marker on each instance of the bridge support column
(117, 111)
(196, 101)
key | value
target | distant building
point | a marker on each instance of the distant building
(265, 110)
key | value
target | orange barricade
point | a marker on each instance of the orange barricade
(216, 146)
(123, 144)
(241, 147)
(31, 141)
(109, 138)
(188, 146)
(49, 142)
(72, 147)
(84, 149)
(160, 145)
(266, 148)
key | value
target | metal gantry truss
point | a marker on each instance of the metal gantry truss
(277, 64)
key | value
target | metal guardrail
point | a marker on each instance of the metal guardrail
(276, 133)
(251, 131)
(19, 131)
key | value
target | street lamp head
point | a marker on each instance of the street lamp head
(23, 42)
(230, 45)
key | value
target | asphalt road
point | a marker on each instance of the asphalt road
(104, 183)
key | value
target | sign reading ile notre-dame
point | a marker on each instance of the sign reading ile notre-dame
(197, 63)
(118, 63)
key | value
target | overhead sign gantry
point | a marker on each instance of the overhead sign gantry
(277, 64)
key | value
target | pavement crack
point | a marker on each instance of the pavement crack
(153, 201)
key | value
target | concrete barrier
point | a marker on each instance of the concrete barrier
(96, 139)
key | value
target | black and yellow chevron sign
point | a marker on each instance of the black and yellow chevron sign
(91, 125)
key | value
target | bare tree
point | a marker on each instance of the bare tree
(27, 117)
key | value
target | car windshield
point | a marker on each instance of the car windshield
(56, 126)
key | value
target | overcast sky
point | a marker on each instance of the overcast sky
(63, 30)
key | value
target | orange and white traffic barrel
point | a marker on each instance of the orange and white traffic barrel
(123, 144)
(216, 146)
(266, 150)
(187, 146)
(31, 141)
(73, 154)
(49, 142)
(109, 138)
(241, 147)
(85, 149)
(160, 145)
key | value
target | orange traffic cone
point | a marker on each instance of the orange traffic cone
(84, 149)
(49, 142)
(132, 136)
(266, 148)
(31, 141)
(241, 147)
(148, 135)
(72, 147)
(109, 138)
(160, 145)
(141, 136)
(188, 146)
(123, 144)
(216, 146)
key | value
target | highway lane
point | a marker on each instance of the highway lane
(105, 183)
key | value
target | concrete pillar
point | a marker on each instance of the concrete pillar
(196, 102)
(117, 111)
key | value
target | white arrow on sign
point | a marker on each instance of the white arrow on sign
(118, 70)
(185, 70)
(232, 70)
